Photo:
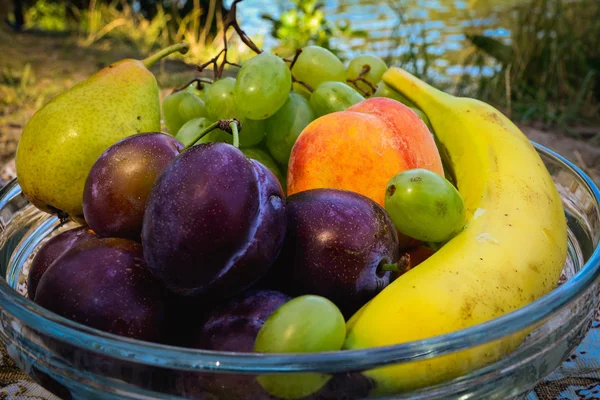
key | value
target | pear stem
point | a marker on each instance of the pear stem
(232, 126)
(182, 47)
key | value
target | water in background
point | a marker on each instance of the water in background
(396, 28)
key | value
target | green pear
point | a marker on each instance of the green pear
(63, 139)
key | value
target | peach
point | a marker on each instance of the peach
(361, 148)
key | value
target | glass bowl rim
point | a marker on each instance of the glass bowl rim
(161, 355)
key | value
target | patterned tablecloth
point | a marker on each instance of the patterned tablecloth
(577, 378)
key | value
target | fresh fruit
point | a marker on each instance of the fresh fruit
(214, 222)
(384, 90)
(361, 149)
(235, 325)
(510, 253)
(422, 115)
(221, 105)
(330, 97)
(301, 90)
(220, 99)
(316, 65)
(253, 132)
(180, 107)
(62, 140)
(104, 284)
(424, 205)
(192, 129)
(374, 67)
(115, 193)
(284, 127)
(265, 159)
(302, 325)
(198, 90)
(339, 245)
(262, 86)
(51, 251)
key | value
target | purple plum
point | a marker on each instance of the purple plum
(214, 223)
(104, 284)
(51, 251)
(336, 245)
(234, 325)
(117, 186)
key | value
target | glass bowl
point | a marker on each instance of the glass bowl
(75, 361)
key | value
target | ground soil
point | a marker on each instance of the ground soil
(34, 67)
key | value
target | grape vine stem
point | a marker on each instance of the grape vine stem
(197, 81)
(230, 22)
(361, 78)
(292, 63)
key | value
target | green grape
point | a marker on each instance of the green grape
(377, 65)
(384, 90)
(298, 88)
(253, 132)
(424, 205)
(330, 97)
(316, 65)
(220, 100)
(193, 88)
(262, 86)
(221, 104)
(180, 107)
(284, 127)
(188, 132)
(422, 115)
(304, 324)
(265, 159)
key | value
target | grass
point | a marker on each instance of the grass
(549, 70)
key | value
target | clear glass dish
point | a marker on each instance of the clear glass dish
(78, 362)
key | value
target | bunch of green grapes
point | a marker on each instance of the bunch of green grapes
(274, 101)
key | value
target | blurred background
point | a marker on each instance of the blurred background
(536, 60)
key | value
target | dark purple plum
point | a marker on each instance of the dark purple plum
(336, 244)
(104, 284)
(214, 223)
(234, 325)
(51, 251)
(117, 187)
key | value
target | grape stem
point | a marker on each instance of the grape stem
(230, 22)
(231, 126)
(292, 63)
(197, 81)
(361, 78)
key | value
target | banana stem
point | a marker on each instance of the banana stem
(182, 47)
(231, 126)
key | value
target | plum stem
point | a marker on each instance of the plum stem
(231, 126)
(389, 267)
(399, 266)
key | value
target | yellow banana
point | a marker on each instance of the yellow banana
(510, 253)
